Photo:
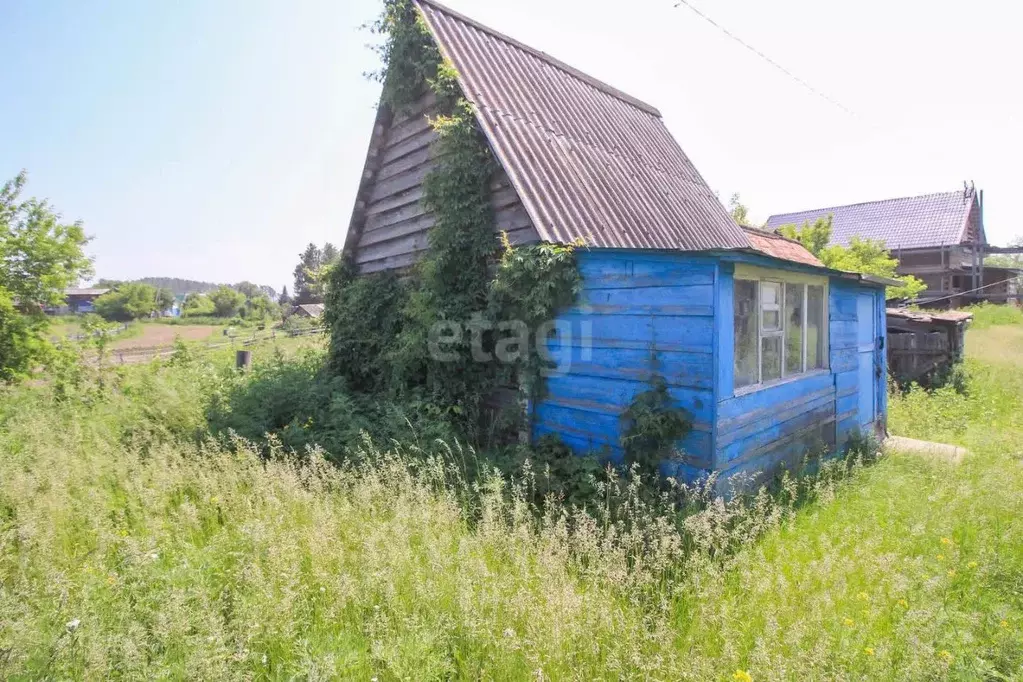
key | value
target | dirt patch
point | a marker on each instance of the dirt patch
(163, 335)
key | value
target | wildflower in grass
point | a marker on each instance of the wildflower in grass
(869, 651)
(951, 573)
(72, 625)
(508, 632)
(848, 622)
(903, 603)
(1004, 623)
(972, 564)
(742, 676)
(946, 541)
(863, 596)
(941, 557)
(945, 655)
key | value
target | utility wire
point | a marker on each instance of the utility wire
(970, 291)
(765, 57)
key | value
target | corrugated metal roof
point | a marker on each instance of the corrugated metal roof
(778, 246)
(907, 223)
(588, 161)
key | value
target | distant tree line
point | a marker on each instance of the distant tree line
(136, 300)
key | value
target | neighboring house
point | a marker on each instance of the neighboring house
(936, 237)
(311, 310)
(771, 353)
(79, 301)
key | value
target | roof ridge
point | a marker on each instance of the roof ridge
(772, 234)
(553, 61)
(876, 201)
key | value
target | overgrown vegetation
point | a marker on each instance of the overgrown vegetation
(458, 327)
(133, 545)
(868, 256)
(652, 427)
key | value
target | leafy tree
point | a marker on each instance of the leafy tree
(227, 302)
(21, 341)
(329, 255)
(130, 301)
(1007, 260)
(197, 304)
(164, 299)
(248, 289)
(40, 257)
(261, 307)
(285, 300)
(108, 283)
(867, 256)
(739, 211)
(308, 264)
(311, 272)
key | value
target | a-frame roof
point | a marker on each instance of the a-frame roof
(588, 161)
(926, 221)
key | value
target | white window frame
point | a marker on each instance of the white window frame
(762, 275)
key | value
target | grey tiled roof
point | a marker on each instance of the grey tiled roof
(588, 161)
(906, 223)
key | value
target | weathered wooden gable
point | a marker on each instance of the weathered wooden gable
(390, 225)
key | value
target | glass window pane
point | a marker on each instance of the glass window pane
(815, 330)
(793, 329)
(771, 357)
(770, 304)
(745, 333)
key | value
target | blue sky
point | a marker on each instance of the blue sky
(213, 139)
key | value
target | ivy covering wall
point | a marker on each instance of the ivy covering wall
(381, 323)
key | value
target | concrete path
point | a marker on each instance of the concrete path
(952, 454)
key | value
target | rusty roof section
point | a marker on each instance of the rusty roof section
(777, 246)
(589, 162)
(928, 316)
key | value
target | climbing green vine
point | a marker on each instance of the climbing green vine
(384, 330)
(652, 424)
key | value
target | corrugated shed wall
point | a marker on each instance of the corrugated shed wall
(645, 314)
(393, 232)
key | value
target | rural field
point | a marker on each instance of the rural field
(140, 538)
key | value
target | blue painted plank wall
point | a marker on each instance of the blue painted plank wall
(844, 330)
(643, 314)
(760, 430)
(639, 314)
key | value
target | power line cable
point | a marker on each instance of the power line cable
(1018, 278)
(766, 58)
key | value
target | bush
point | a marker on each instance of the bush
(300, 405)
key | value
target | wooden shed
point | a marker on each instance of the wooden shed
(769, 352)
(922, 345)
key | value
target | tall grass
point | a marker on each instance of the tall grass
(987, 315)
(133, 546)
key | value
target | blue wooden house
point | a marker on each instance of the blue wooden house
(770, 352)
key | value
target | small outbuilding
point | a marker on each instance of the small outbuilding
(923, 345)
(313, 311)
(770, 353)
